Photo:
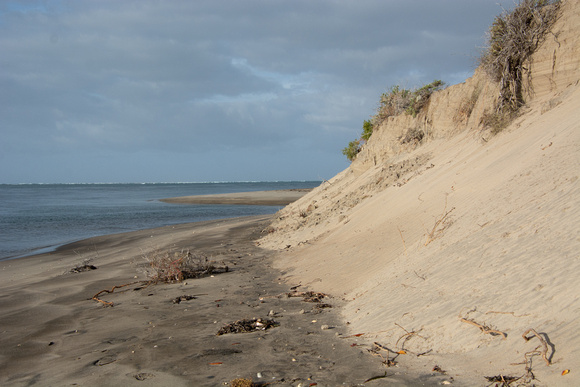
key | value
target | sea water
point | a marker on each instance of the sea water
(37, 218)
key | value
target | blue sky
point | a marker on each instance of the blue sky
(191, 91)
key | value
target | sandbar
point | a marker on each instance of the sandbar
(258, 198)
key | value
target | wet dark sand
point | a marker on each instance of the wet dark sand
(53, 333)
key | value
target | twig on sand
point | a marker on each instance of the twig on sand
(512, 313)
(425, 353)
(503, 379)
(484, 328)
(407, 336)
(440, 225)
(544, 350)
(110, 303)
(389, 361)
(376, 377)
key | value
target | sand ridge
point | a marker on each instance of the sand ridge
(465, 226)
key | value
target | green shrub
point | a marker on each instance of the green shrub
(400, 100)
(393, 103)
(352, 150)
(367, 130)
(420, 97)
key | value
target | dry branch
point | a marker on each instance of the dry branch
(544, 351)
(440, 224)
(110, 303)
(484, 328)
(389, 361)
(512, 313)
(406, 337)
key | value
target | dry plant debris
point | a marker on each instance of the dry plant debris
(170, 267)
(242, 382)
(110, 303)
(184, 297)
(406, 337)
(247, 326)
(440, 225)
(82, 268)
(504, 380)
(391, 359)
(485, 328)
(544, 350)
(165, 266)
(308, 296)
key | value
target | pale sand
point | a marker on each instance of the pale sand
(259, 198)
(466, 225)
(53, 333)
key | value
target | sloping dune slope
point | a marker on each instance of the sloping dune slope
(464, 225)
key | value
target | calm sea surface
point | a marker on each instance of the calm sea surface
(39, 217)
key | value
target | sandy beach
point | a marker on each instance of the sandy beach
(53, 333)
(453, 259)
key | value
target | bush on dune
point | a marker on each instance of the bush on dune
(512, 39)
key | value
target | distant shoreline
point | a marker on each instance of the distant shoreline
(256, 198)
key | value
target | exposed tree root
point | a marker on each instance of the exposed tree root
(543, 352)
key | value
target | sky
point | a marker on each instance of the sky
(213, 90)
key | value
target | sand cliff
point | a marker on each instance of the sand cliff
(463, 225)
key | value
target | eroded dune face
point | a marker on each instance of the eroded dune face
(465, 225)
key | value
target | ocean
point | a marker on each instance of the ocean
(37, 218)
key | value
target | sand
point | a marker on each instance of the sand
(53, 333)
(464, 226)
(258, 198)
(448, 252)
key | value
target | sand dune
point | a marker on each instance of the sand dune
(467, 225)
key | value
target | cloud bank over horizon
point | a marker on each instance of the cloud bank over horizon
(151, 91)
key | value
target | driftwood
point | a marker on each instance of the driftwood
(544, 350)
(110, 303)
(484, 328)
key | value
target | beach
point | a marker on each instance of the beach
(54, 333)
